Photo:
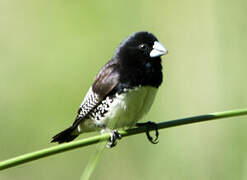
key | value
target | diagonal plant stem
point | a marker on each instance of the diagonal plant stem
(95, 139)
(93, 161)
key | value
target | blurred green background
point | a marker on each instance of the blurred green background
(50, 52)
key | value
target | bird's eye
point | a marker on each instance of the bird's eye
(143, 46)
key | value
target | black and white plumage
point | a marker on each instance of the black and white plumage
(124, 89)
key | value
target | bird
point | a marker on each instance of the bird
(123, 90)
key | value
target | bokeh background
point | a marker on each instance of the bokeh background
(50, 52)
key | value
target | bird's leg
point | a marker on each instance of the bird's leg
(113, 139)
(114, 135)
(150, 125)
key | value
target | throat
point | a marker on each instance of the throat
(149, 75)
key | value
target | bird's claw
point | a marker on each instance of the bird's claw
(114, 135)
(150, 125)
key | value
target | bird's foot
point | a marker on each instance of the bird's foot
(113, 139)
(114, 136)
(150, 126)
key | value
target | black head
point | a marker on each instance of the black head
(139, 59)
(140, 48)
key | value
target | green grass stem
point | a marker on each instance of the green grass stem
(95, 139)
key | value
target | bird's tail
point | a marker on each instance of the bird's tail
(66, 135)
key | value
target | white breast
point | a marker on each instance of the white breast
(129, 107)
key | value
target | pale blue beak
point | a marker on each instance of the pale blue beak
(158, 50)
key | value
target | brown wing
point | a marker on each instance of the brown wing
(105, 81)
